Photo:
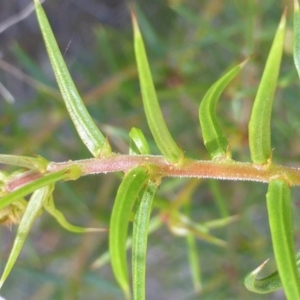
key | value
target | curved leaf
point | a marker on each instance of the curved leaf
(139, 241)
(193, 255)
(139, 143)
(154, 224)
(259, 125)
(85, 126)
(33, 208)
(31, 187)
(60, 218)
(127, 193)
(296, 45)
(214, 139)
(155, 119)
(280, 219)
(267, 284)
(180, 224)
(28, 162)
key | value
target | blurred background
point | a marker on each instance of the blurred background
(190, 44)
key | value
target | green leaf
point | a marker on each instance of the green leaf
(296, 51)
(219, 198)
(182, 225)
(214, 139)
(259, 125)
(60, 218)
(155, 119)
(194, 262)
(38, 163)
(138, 142)
(127, 193)
(139, 145)
(33, 208)
(32, 186)
(139, 241)
(264, 285)
(154, 224)
(267, 284)
(222, 222)
(280, 219)
(193, 256)
(85, 126)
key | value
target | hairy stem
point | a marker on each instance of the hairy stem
(159, 167)
(217, 169)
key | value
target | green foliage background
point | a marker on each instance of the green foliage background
(189, 45)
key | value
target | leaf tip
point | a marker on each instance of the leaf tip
(245, 61)
(134, 19)
(37, 2)
(259, 268)
(283, 19)
(250, 279)
(105, 150)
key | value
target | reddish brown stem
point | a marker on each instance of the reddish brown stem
(223, 169)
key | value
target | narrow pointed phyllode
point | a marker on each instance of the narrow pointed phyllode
(154, 116)
(86, 128)
(260, 120)
(214, 139)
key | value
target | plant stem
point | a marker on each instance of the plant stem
(217, 169)
(159, 167)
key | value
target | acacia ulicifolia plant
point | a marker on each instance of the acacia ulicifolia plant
(143, 171)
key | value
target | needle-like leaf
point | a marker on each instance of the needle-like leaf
(267, 284)
(138, 142)
(28, 162)
(181, 225)
(155, 223)
(139, 241)
(127, 194)
(193, 255)
(60, 218)
(33, 208)
(280, 219)
(296, 51)
(32, 186)
(214, 139)
(85, 126)
(259, 125)
(139, 145)
(263, 285)
(155, 119)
